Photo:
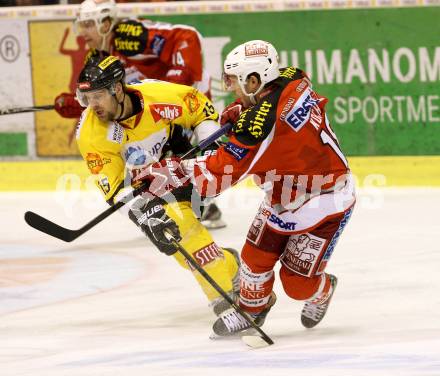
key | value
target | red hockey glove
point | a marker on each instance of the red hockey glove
(179, 75)
(67, 106)
(164, 176)
(232, 112)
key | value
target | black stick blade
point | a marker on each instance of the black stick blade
(44, 225)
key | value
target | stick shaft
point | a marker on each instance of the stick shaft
(44, 225)
(18, 110)
(222, 292)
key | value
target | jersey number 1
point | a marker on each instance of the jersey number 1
(328, 140)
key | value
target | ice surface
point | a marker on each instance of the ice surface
(110, 304)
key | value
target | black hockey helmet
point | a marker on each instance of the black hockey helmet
(98, 75)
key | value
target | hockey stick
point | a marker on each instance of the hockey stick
(249, 340)
(19, 110)
(44, 225)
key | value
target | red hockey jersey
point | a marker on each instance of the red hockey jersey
(285, 141)
(160, 51)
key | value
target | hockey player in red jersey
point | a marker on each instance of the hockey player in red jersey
(154, 50)
(285, 141)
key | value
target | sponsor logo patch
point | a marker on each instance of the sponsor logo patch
(289, 226)
(191, 102)
(135, 156)
(165, 111)
(331, 246)
(157, 44)
(257, 123)
(207, 254)
(288, 72)
(95, 163)
(130, 38)
(301, 86)
(236, 151)
(138, 154)
(256, 229)
(299, 115)
(302, 253)
(115, 133)
(254, 120)
(256, 49)
(107, 61)
(287, 107)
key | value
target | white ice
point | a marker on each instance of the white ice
(110, 304)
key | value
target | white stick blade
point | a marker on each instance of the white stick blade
(255, 342)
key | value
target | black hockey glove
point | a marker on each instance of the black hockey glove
(150, 216)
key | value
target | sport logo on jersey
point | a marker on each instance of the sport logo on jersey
(288, 226)
(256, 49)
(299, 115)
(166, 111)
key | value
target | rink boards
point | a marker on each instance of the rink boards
(422, 171)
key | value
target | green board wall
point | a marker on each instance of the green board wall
(380, 68)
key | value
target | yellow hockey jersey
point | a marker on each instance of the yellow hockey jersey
(119, 150)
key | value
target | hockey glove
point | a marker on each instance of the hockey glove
(164, 176)
(67, 106)
(150, 216)
(232, 112)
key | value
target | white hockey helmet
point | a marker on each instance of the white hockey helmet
(255, 56)
(97, 11)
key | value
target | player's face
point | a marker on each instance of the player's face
(102, 103)
(231, 84)
(89, 31)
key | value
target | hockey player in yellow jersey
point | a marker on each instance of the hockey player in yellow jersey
(127, 127)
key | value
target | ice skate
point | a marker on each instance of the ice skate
(212, 217)
(230, 322)
(313, 312)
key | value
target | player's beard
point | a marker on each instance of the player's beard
(106, 115)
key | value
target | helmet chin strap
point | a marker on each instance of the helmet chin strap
(252, 96)
(104, 42)
(104, 36)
